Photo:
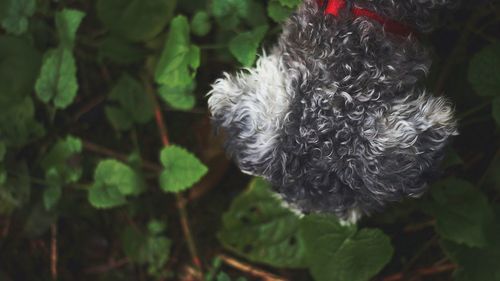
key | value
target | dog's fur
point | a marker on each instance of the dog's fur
(335, 117)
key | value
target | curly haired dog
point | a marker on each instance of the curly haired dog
(335, 117)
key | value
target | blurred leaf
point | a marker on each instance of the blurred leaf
(290, 3)
(462, 212)
(19, 66)
(244, 45)
(335, 252)
(179, 59)
(39, 221)
(229, 12)
(153, 250)
(182, 169)
(277, 11)
(18, 125)
(258, 228)
(120, 51)
(67, 23)
(483, 74)
(16, 14)
(496, 110)
(256, 14)
(134, 106)
(16, 189)
(113, 181)
(476, 263)
(178, 97)
(200, 23)
(156, 227)
(135, 20)
(60, 168)
(57, 81)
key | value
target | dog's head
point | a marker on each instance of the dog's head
(335, 116)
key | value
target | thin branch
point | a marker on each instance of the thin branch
(89, 146)
(426, 271)
(419, 226)
(53, 251)
(249, 269)
(181, 205)
(6, 228)
(112, 264)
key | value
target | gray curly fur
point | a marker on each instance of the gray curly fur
(335, 117)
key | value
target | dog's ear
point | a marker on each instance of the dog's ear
(250, 107)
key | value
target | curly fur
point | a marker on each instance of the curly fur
(335, 117)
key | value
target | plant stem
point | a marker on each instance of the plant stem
(53, 251)
(249, 269)
(181, 205)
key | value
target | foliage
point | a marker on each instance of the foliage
(93, 93)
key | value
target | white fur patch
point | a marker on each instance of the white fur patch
(258, 97)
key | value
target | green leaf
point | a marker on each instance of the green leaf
(113, 181)
(483, 74)
(19, 67)
(15, 190)
(16, 14)
(256, 14)
(277, 11)
(200, 23)
(67, 23)
(229, 12)
(477, 263)
(178, 97)
(156, 227)
(338, 253)
(53, 191)
(462, 212)
(18, 125)
(179, 59)
(290, 3)
(258, 228)
(135, 20)
(182, 169)
(496, 110)
(152, 249)
(244, 45)
(120, 51)
(57, 81)
(134, 106)
(62, 158)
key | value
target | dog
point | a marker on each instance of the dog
(335, 116)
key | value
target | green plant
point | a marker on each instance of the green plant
(109, 170)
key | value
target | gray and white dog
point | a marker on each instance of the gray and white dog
(335, 116)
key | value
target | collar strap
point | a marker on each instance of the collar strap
(334, 7)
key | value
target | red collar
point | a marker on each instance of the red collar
(334, 6)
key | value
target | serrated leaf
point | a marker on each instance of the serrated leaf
(57, 82)
(462, 212)
(483, 74)
(338, 253)
(113, 181)
(120, 51)
(178, 97)
(19, 67)
(67, 23)
(179, 59)
(244, 45)
(258, 228)
(16, 14)
(277, 11)
(134, 106)
(477, 263)
(182, 169)
(200, 23)
(496, 110)
(135, 20)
